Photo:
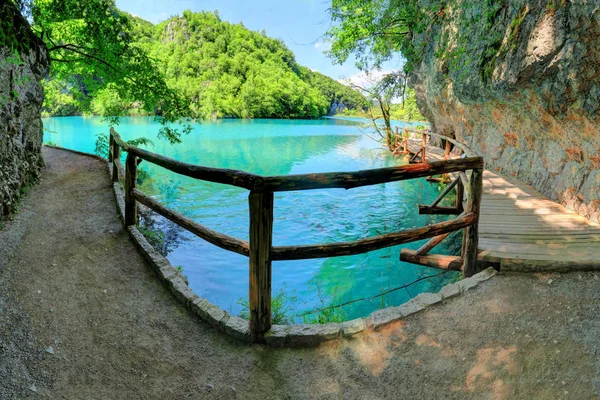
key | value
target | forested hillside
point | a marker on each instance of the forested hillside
(224, 70)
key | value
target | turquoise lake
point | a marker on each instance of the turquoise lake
(279, 147)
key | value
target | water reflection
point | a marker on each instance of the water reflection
(275, 147)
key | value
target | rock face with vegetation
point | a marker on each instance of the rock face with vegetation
(23, 63)
(519, 81)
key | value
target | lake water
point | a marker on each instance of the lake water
(279, 147)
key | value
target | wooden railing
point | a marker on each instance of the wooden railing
(260, 249)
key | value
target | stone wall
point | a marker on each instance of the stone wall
(23, 64)
(519, 81)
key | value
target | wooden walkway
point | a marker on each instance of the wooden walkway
(523, 230)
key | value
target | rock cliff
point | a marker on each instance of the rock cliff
(519, 81)
(23, 63)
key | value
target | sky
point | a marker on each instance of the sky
(301, 24)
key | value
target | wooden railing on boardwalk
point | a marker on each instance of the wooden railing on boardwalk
(260, 250)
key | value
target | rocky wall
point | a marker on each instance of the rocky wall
(519, 81)
(23, 64)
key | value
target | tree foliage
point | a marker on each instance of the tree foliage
(407, 110)
(380, 93)
(220, 70)
(227, 70)
(373, 30)
(91, 48)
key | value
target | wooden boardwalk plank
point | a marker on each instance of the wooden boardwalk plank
(525, 230)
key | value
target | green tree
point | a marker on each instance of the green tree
(91, 49)
(380, 93)
(407, 110)
(220, 69)
(374, 30)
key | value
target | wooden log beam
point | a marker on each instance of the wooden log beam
(111, 145)
(130, 181)
(372, 243)
(462, 146)
(349, 180)
(118, 170)
(218, 239)
(439, 210)
(452, 263)
(261, 239)
(414, 157)
(471, 236)
(434, 241)
(424, 148)
(218, 175)
(464, 180)
(460, 194)
(346, 180)
(117, 166)
(445, 192)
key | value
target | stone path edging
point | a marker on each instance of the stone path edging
(296, 335)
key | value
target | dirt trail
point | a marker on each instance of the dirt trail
(70, 278)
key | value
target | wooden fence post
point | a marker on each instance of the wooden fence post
(261, 239)
(116, 157)
(460, 195)
(424, 147)
(447, 150)
(111, 146)
(130, 180)
(471, 233)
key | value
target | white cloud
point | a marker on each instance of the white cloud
(365, 78)
(325, 46)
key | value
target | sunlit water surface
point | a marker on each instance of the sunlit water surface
(280, 147)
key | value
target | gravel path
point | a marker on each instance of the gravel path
(83, 317)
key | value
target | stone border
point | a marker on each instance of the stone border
(297, 335)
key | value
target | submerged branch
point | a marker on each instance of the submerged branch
(376, 296)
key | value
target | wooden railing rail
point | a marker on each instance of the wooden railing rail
(260, 250)
(461, 182)
(218, 239)
(423, 133)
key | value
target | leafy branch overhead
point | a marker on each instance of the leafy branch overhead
(373, 30)
(91, 48)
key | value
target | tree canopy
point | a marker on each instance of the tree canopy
(194, 65)
(91, 48)
(227, 70)
(373, 30)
